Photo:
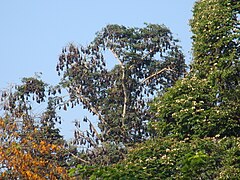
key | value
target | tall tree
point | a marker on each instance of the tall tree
(206, 102)
(148, 60)
(216, 26)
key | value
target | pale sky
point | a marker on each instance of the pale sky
(32, 33)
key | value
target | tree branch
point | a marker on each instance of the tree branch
(93, 109)
(87, 162)
(93, 128)
(155, 74)
(125, 96)
(123, 86)
(87, 138)
(115, 55)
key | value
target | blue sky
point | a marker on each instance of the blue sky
(32, 33)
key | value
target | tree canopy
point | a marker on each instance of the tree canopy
(148, 60)
(154, 119)
(196, 120)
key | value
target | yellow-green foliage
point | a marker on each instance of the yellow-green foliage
(169, 158)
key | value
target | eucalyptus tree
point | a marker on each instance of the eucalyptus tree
(146, 60)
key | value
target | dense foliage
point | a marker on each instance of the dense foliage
(192, 108)
(28, 156)
(206, 102)
(169, 158)
(189, 130)
(146, 60)
(197, 122)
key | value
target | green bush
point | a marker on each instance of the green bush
(169, 158)
(191, 108)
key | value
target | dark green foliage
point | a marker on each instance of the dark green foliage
(18, 102)
(216, 36)
(146, 60)
(206, 102)
(169, 158)
(16, 99)
(216, 32)
(191, 108)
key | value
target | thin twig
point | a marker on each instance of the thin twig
(94, 129)
(90, 140)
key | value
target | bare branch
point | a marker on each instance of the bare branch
(115, 55)
(155, 74)
(89, 140)
(94, 129)
(123, 86)
(125, 96)
(87, 162)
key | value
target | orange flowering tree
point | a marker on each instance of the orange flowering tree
(30, 146)
(27, 157)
